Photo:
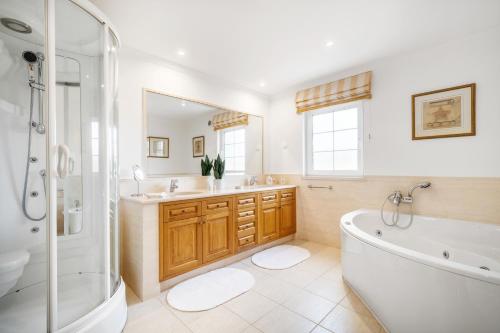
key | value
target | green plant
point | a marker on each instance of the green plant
(219, 166)
(206, 166)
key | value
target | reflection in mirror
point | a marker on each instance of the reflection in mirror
(68, 114)
(182, 132)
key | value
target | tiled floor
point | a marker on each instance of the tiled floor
(310, 297)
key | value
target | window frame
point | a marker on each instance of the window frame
(308, 142)
(222, 151)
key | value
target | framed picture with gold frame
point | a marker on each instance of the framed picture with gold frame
(158, 147)
(444, 113)
(198, 146)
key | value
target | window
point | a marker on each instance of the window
(334, 141)
(232, 149)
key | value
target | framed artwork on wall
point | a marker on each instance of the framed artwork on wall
(158, 147)
(444, 113)
(199, 146)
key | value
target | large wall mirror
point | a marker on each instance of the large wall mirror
(180, 132)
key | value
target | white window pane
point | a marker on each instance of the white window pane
(323, 161)
(346, 160)
(345, 119)
(347, 139)
(239, 135)
(239, 163)
(229, 150)
(323, 141)
(229, 163)
(95, 147)
(229, 137)
(323, 122)
(239, 149)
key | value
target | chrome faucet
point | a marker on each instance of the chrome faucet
(397, 197)
(173, 185)
(252, 181)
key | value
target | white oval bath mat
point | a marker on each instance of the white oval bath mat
(209, 290)
(280, 257)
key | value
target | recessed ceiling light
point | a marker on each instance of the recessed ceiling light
(262, 84)
(329, 43)
(181, 52)
(183, 104)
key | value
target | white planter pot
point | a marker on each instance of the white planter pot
(218, 184)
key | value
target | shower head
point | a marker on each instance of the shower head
(15, 25)
(30, 57)
(419, 185)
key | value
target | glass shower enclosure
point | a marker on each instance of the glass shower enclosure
(59, 231)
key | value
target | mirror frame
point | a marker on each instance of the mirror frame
(144, 150)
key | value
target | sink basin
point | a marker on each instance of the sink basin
(177, 193)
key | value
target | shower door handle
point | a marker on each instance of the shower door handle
(62, 161)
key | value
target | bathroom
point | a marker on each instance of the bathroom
(229, 166)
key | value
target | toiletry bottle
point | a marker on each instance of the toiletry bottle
(269, 180)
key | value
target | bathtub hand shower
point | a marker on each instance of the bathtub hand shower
(397, 198)
(35, 83)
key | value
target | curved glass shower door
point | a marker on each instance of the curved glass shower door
(59, 236)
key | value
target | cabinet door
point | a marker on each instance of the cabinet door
(181, 245)
(287, 218)
(268, 224)
(218, 236)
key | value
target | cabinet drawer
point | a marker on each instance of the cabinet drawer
(217, 205)
(287, 195)
(242, 233)
(269, 198)
(245, 202)
(180, 211)
(246, 216)
(246, 240)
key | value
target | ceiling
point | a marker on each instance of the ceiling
(269, 45)
(175, 108)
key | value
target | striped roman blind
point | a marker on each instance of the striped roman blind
(229, 119)
(342, 91)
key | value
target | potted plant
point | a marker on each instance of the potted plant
(219, 166)
(206, 170)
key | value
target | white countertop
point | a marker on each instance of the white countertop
(199, 194)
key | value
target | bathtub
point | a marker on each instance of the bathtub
(437, 276)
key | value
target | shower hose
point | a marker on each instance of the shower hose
(28, 161)
(395, 215)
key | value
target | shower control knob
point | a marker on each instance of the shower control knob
(34, 230)
(33, 159)
(34, 194)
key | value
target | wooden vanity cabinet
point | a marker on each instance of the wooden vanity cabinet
(287, 213)
(269, 218)
(218, 228)
(197, 232)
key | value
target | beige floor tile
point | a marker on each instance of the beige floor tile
(218, 320)
(159, 320)
(352, 302)
(297, 276)
(311, 306)
(331, 290)
(331, 253)
(251, 306)
(319, 329)
(317, 264)
(139, 310)
(334, 274)
(251, 329)
(342, 320)
(282, 320)
(312, 247)
(257, 272)
(189, 317)
(275, 289)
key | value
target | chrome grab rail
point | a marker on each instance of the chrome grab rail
(330, 187)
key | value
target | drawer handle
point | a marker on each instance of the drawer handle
(269, 197)
(217, 205)
(245, 226)
(243, 214)
(246, 240)
(286, 195)
(245, 201)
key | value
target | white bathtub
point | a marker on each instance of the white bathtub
(404, 278)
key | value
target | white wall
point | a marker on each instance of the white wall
(138, 71)
(390, 151)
